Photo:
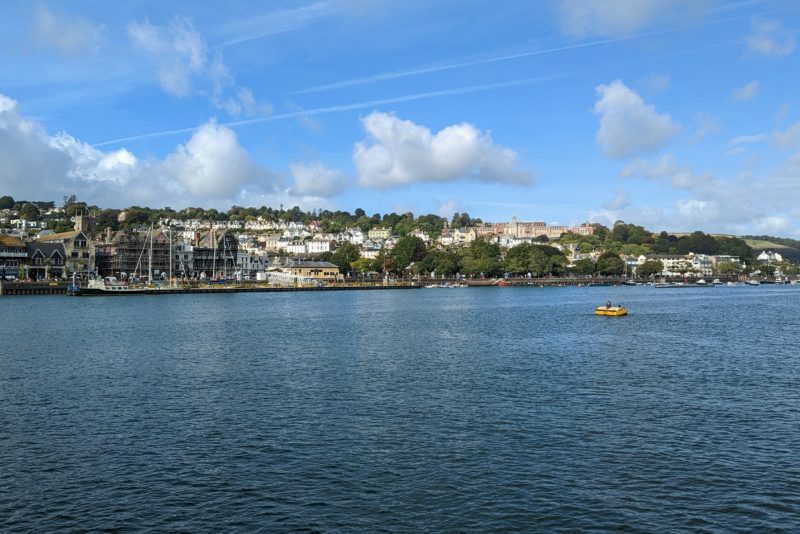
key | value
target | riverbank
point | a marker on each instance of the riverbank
(60, 288)
(17, 288)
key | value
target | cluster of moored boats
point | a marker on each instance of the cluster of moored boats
(717, 282)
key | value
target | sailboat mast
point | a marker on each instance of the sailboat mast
(150, 258)
(213, 256)
(170, 254)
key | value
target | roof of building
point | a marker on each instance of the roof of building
(11, 241)
(48, 249)
(207, 239)
(317, 264)
(60, 237)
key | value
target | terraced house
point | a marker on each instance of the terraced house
(13, 254)
(79, 251)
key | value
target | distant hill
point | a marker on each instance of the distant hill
(788, 248)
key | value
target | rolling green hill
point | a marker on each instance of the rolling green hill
(782, 246)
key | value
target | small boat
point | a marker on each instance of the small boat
(611, 311)
(753, 283)
(717, 282)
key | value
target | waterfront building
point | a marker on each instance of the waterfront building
(182, 259)
(130, 253)
(320, 270)
(250, 264)
(44, 260)
(78, 249)
(691, 264)
(13, 254)
(215, 254)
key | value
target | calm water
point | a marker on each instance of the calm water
(448, 410)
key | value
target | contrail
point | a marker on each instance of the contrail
(508, 57)
(345, 107)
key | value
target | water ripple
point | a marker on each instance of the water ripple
(496, 410)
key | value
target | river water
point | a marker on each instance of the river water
(431, 410)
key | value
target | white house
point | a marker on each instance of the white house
(768, 256)
(318, 246)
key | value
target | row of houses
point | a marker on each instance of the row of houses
(156, 253)
(687, 265)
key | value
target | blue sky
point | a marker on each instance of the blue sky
(676, 115)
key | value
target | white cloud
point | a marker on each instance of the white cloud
(666, 166)
(747, 91)
(449, 208)
(582, 18)
(790, 138)
(178, 49)
(747, 139)
(775, 225)
(658, 83)
(768, 39)
(620, 201)
(184, 66)
(747, 203)
(628, 126)
(213, 165)
(67, 34)
(706, 125)
(211, 168)
(678, 176)
(275, 22)
(91, 165)
(315, 179)
(399, 152)
(31, 163)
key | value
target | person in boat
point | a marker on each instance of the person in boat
(608, 304)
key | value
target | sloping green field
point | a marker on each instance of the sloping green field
(788, 253)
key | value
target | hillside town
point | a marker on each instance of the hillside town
(273, 248)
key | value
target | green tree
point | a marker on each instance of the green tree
(697, 242)
(650, 268)
(344, 256)
(600, 231)
(584, 266)
(364, 223)
(6, 202)
(631, 249)
(790, 269)
(481, 257)
(728, 268)
(610, 264)
(365, 265)
(29, 212)
(408, 249)
(538, 260)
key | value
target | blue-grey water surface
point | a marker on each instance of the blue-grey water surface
(447, 410)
